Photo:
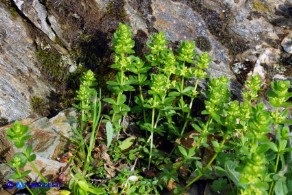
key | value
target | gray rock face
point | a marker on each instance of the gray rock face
(239, 33)
(20, 79)
(49, 137)
(37, 14)
(180, 22)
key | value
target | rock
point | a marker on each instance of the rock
(20, 78)
(137, 22)
(287, 43)
(49, 137)
(102, 4)
(36, 12)
(6, 172)
(228, 30)
(49, 168)
(180, 22)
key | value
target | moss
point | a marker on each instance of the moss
(11, 7)
(51, 66)
(38, 105)
(203, 43)
(3, 121)
(260, 6)
(55, 70)
(115, 9)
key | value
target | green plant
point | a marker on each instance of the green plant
(129, 182)
(123, 47)
(163, 90)
(90, 108)
(229, 142)
(18, 135)
(243, 128)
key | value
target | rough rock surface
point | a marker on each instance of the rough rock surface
(49, 138)
(240, 35)
(20, 78)
(37, 14)
(180, 22)
(287, 43)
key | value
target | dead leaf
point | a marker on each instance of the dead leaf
(187, 140)
(171, 184)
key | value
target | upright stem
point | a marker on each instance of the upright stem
(96, 116)
(141, 97)
(278, 154)
(189, 112)
(82, 117)
(151, 136)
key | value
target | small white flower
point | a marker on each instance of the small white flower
(133, 178)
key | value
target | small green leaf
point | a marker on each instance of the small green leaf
(217, 118)
(19, 143)
(83, 185)
(109, 133)
(127, 143)
(187, 91)
(110, 101)
(263, 148)
(19, 160)
(146, 126)
(219, 184)
(15, 176)
(287, 150)
(169, 100)
(231, 173)
(25, 173)
(96, 190)
(28, 150)
(287, 104)
(216, 145)
(287, 122)
(204, 112)
(26, 137)
(122, 99)
(280, 187)
(196, 127)
(283, 144)
(273, 146)
(31, 158)
(174, 94)
(183, 151)
(64, 192)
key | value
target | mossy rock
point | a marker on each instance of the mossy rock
(203, 43)
(10, 6)
(260, 6)
(51, 66)
(38, 105)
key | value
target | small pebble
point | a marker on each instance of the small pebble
(287, 43)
